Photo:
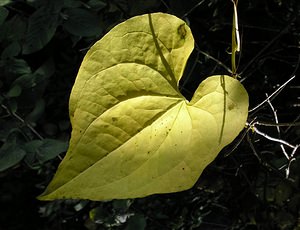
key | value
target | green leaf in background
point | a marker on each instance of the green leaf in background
(97, 4)
(51, 148)
(10, 154)
(72, 3)
(44, 150)
(13, 105)
(42, 25)
(82, 22)
(136, 222)
(37, 111)
(47, 69)
(134, 134)
(32, 149)
(12, 50)
(33, 84)
(15, 91)
(13, 29)
(14, 67)
(139, 6)
(7, 128)
(4, 2)
(3, 14)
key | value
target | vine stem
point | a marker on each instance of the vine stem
(235, 45)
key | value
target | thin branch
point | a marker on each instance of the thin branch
(287, 170)
(214, 59)
(253, 148)
(165, 4)
(277, 127)
(192, 9)
(294, 151)
(237, 143)
(273, 139)
(15, 115)
(283, 31)
(274, 93)
(294, 122)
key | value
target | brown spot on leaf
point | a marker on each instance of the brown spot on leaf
(181, 31)
(231, 106)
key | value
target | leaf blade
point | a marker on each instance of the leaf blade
(134, 134)
(114, 46)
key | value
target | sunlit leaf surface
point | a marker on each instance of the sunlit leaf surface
(134, 134)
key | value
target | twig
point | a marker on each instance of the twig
(294, 151)
(265, 48)
(277, 127)
(274, 93)
(240, 139)
(214, 59)
(253, 148)
(190, 73)
(294, 122)
(15, 115)
(192, 9)
(287, 170)
(165, 4)
(271, 138)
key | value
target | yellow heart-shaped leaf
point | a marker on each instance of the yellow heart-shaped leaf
(134, 134)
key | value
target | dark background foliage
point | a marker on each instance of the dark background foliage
(42, 43)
